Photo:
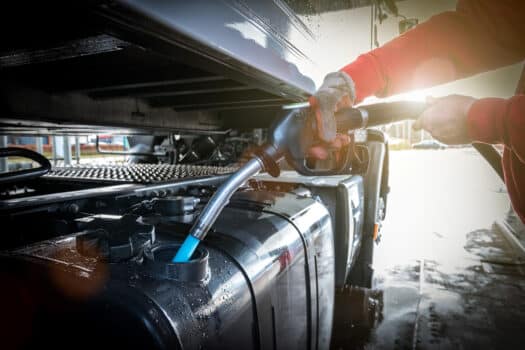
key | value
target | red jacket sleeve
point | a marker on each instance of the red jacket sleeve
(480, 35)
(496, 120)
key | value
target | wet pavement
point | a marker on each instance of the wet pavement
(445, 275)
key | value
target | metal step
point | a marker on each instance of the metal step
(135, 173)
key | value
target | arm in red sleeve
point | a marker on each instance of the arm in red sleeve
(480, 35)
(497, 120)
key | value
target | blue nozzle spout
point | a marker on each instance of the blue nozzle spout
(186, 250)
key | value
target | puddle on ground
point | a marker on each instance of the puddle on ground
(473, 303)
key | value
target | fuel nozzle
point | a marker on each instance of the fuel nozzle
(290, 137)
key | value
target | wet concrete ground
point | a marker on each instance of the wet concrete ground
(445, 276)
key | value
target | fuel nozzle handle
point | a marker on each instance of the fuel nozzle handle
(377, 114)
(295, 135)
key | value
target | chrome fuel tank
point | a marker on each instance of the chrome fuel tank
(263, 279)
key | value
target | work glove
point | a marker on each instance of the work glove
(337, 91)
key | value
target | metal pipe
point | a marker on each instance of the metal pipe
(119, 191)
(4, 163)
(39, 144)
(77, 149)
(217, 202)
(67, 150)
(54, 145)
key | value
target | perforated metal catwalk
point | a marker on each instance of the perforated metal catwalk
(135, 173)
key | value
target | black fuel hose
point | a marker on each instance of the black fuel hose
(377, 114)
(386, 113)
(492, 156)
(26, 174)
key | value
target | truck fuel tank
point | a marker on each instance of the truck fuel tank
(264, 278)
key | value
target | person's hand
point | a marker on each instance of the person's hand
(321, 151)
(337, 91)
(446, 119)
